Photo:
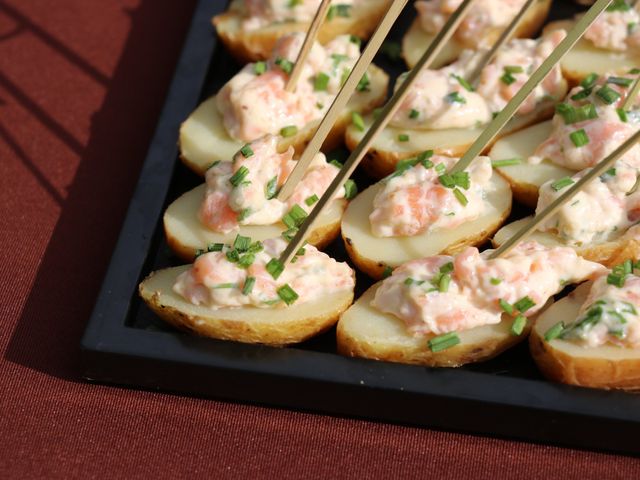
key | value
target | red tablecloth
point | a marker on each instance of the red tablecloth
(81, 87)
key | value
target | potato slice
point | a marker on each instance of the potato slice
(258, 44)
(364, 331)
(564, 361)
(525, 179)
(186, 234)
(204, 139)
(416, 41)
(584, 58)
(373, 255)
(387, 151)
(596, 252)
(271, 326)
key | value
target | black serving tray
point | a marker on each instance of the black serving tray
(125, 344)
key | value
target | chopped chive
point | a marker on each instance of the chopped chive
(294, 217)
(215, 247)
(581, 95)
(358, 121)
(356, 40)
(350, 189)
(364, 85)
(386, 273)
(259, 68)
(311, 200)
(616, 280)
(506, 163)
(495, 281)
(221, 286)
(289, 234)
(233, 256)
(620, 81)
(248, 285)
(443, 342)
(622, 115)
(275, 268)
(443, 284)
(285, 65)
(289, 131)
(392, 49)
(579, 138)
(506, 306)
(238, 177)
(554, 332)
(589, 81)
(241, 243)
(319, 105)
(514, 69)
(608, 174)
(618, 5)
(255, 247)
(246, 151)
(294, 3)
(340, 10)
(507, 78)
(244, 213)
(455, 97)
(461, 197)
(321, 82)
(517, 327)
(608, 95)
(213, 164)
(413, 114)
(336, 163)
(524, 304)
(199, 253)
(403, 137)
(376, 113)
(345, 75)
(424, 156)
(463, 83)
(560, 184)
(301, 251)
(271, 188)
(287, 294)
(246, 260)
(446, 268)
(409, 281)
(572, 114)
(440, 168)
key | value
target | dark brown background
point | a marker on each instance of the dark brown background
(81, 87)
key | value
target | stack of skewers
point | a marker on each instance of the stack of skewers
(482, 117)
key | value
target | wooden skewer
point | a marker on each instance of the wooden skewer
(538, 76)
(598, 170)
(312, 34)
(341, 100)
(504, 37)
(631, 96)
(378, 125)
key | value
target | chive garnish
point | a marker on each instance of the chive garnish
(364, 84)
(221, 286)
(560, 184)
(506, 306)
(233, 256)
(445, 281)
(244, 213)
(466, 85)
(287, 294)
(440, 168)
(215, 247)
(443, 342)
(495, 281)
(413, 114)
(455, 97)
(259, 68)
(356, 40)
(464, 201)
(392, 49)
(321, 82)
(271, 189)
(409, 281)
(246, 260)
(350, 189)
(311, 200)
(554, 332)
(340, 10)
(507, 78)
(386, 273)
(275, 268)
(608, 95)
(517, 327)
(514, 69)
(294, 217)
(238, 177)
(241, 243)
(213, 164)
(198, 253)
(620, 81)
(403, 137)
(622, 115)
(289, 234)
(524, 304)
(289, 131)
(285, 65)
(579, 138)
(336, 163)
(357, 121)
(506, 163)
(246, 151)
(248, 285)
(589, 81)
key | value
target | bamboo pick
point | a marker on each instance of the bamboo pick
(378, 125)
(598, 170)
(538, 76)
(310, 38)
(504, 37)
(631, 96)
(341, 100)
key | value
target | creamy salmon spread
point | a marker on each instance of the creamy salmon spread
(421, 196)
(484, 17)
(609, 315)
(242, 275)
(243, 192)
(441, 99)
(262, 13)
(442, 294)
(255, 102)
(617, 28)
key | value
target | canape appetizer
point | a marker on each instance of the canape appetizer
(611, 44)
(592, 337)
(422, 210)
(554, 150)
(481, 27)
(251, 28)
(255, 102)
(445, 113)
(240, 197)
(448, 311)
(242, 293)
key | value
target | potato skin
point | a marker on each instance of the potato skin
(257, 45)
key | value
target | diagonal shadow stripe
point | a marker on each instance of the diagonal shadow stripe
(47, 120)
(56, 44)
